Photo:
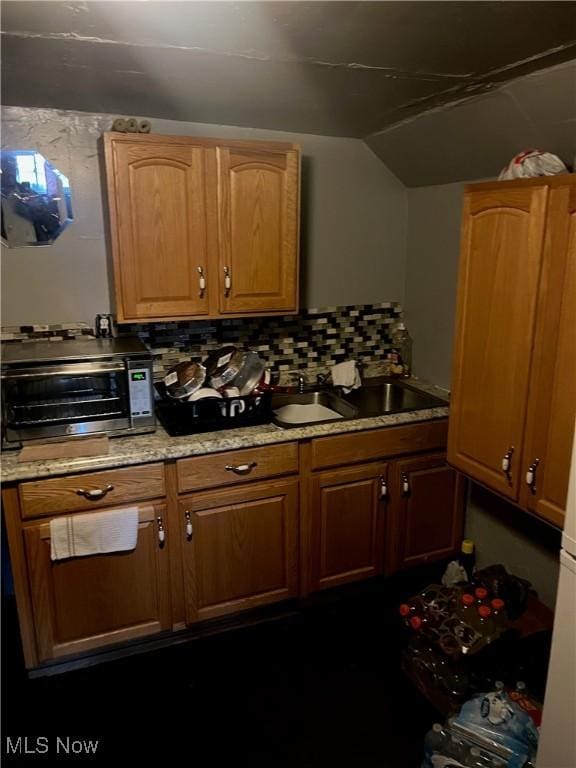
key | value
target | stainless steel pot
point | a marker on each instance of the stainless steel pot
(184, 379)
(223, 365)
(250, 373)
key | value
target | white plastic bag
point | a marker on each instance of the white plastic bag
(531, 163)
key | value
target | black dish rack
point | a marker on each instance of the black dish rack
(182, 417)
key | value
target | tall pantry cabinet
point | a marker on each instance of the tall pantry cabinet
(514, 382)
(202, 227)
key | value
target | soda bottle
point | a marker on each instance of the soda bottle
(499, 614)
(402, 342)
(485, 623)
(467, 558)
(481, 594)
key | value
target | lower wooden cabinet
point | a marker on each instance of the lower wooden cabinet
(228, 548)
(426, 511)
(347, 509)
(85, 603)
(242, 548)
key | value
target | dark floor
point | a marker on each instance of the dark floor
(319, 687)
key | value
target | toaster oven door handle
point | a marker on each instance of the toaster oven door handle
(63, 370)
(96, 493)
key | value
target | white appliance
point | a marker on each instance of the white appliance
(557, 747)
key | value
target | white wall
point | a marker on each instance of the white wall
(353, 220)
(431, 274)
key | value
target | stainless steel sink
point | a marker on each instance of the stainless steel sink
(376, 397)
(382, 396)
(299, 409)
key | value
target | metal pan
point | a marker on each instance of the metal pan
(184, 379)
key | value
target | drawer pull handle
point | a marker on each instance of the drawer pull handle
(161, 531)
(189, 529)
(241, 469)
(96, 494)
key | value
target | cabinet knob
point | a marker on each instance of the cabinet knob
(161, 531)
(201, 281)
(97, 493)
(405, 484)
(241, 469)
(531, 475)
(189, 529)
(383, 488)
(507, 463)
(227, 281)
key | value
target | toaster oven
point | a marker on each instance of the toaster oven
(75, 387)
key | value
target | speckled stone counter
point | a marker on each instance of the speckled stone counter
(159, 446)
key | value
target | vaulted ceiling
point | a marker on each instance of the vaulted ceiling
(370, 70)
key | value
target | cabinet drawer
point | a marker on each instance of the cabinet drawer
(61, 494)
(378, 443)
(252, 464)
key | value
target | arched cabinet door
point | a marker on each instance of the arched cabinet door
(258, 229)
(552, 402)
(500, 264)
(157, 204)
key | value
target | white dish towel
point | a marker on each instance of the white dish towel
(114, 530)
(346, 375)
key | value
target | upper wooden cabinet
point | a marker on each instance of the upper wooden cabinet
(258, 229)
(552, 400)
(202, 228)
(514, 382)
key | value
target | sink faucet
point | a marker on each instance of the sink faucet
(300, 379)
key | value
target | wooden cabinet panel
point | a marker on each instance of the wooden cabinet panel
(60, 495)
(347, 525)
(184, 211)
(552, 401)
(88, 602)
(258, 229)
(427, 517)
(243, 551)
(503, 229)
(244, 466)
(375, 444)
(157, 201)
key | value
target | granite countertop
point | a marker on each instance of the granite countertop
(159, 446)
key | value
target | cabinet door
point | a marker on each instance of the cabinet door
(503, 229)
(87, 602)
(243, 548)
(552, 402)
(347, 525)
(158, 217)
(258, 211)
(425, 511)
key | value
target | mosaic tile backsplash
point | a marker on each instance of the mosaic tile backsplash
(311, 341)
